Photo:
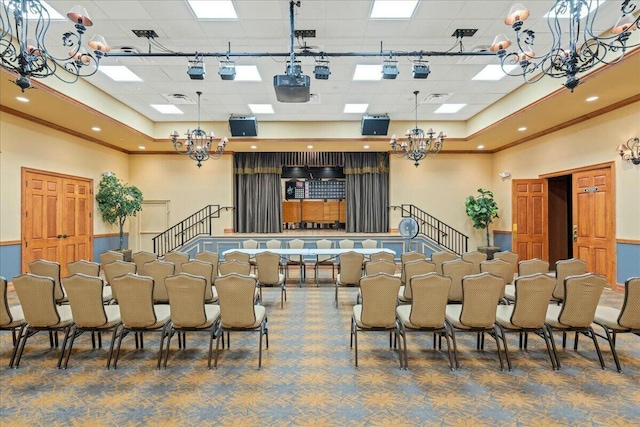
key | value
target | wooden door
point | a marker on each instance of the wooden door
(593, 221)
(529, 218)
(56, 218)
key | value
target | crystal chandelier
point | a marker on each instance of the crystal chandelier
(23, 30)
(198, 144)
(419, 144)
(574, 49)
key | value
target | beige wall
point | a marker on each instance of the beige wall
(25, 144)
(588, 143)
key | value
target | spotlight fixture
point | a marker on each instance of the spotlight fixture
(390, 68)
(23, 29)
(227, 70)
(421, 69)
(321, 69)
(419, 144)
(196, 69)
(575, 49)
(198, 145)
(630, 152)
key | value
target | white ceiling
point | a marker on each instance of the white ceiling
(341, 26)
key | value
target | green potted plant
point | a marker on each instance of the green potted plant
(482, 210)
(117, 201)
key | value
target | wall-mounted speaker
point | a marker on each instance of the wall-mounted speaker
(374, 125)
(243, 126)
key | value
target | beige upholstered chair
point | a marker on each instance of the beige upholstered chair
(346, 244)
(581, 296)
(237, 256)
(439, 258)
(137, 311)
(383, 256)
(238, 312)
(189, 311)
(141, 258)
(510, 257)
(369, 244)
(269, 274)
(51, 269)
(297, 260)
(89, 313)
(82, 266)
(378, 309)
(499, 268)
(36, 295)
(427, 310)
(237, 267)
(413, 268)
(474, 258)
(350, 271)
(177, 258)
(564, 269)
(11, 318)
(381, 266)
(532, 295)
(273, 244)
(251, 244)
(407, 257)
(324, 260)
(456, 270)
(477, 313)
(527, 268)
(159, 271)
(203, 269)
(210, 257)
(110, 256)
(623, 321)
(116, 269)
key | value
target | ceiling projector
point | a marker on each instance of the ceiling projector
(292, 88)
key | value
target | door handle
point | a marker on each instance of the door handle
(64, 236)
(59, 236)
(575, 233)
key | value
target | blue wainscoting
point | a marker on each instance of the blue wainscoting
(628, 261)
(103, 244)
(502, 240)
(10, 261)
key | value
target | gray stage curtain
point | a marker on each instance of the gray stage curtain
(258, 194)
(367, 186)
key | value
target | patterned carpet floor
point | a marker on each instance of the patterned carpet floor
(308, 378)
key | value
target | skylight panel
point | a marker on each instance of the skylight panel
(493, 72)
(247, 73)
(368, 72)
(213, 9)
(53, 14)
(449, 108)
(119, 73)
(385, 9)
(355, 108)
(261, 108)
(584, 9)
(167, 108)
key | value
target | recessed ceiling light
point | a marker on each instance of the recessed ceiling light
(366, 147)
(96, 129)
(522, 129)
(253, 147)
(167, 108)
(480, 147)
(493, 72)
(142, 147)
(22, 99)
(584, 10)
(213, 9)
(591, 99)
(368, 72)
(385, 9)
(449, 108)
(310, 147)
(247, 73)
(119, 73)
(261, 108)
(355, 108)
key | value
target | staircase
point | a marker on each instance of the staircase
(195, 225)
(436, 230)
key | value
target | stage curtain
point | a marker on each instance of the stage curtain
(367, 187)
(258, 193)
(313, 159)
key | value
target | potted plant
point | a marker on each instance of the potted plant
(482, 210)
(117, 201)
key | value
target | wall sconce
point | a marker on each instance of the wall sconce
(630, 152)
(504, 175)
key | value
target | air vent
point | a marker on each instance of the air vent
(436, 98)
(178, 99)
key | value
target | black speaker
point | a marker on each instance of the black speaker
(243, 126)
(375, 125)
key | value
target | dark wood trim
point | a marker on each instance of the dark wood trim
(604, 165)
(102, 236)
(11, 243)
(501, 232)
(628, 241)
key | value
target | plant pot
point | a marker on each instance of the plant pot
(126, 253)
(489, 250)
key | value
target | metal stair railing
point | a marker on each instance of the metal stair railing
(435, 230)
(195, 225)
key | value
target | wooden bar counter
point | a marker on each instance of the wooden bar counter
(326, 211)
